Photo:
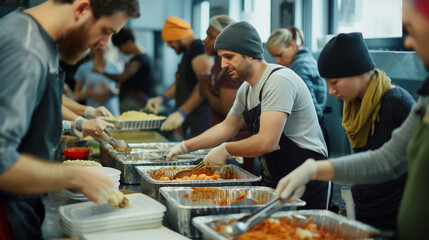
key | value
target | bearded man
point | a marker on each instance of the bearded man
(30, 104)
(192, 112)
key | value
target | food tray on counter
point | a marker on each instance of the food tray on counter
(335, 224)
(153, 156)
(137, 124)
(129, 175)
(185, 203)
(126, 163)
(232, 176)
(162, 146)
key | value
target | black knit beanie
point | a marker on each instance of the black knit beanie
(345, 55)
(240, 37)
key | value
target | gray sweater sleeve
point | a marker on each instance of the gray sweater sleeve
(383, 164)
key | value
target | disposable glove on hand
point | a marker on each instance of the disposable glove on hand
(294, 183)
(216, 156)
(101, 111)
(153, 105)
(96, 126)
(173, 121)
(176, 150)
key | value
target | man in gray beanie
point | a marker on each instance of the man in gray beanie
(218, 87)
(241, 37)
(270, 96)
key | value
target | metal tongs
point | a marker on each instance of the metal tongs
(118, 145)
(245, 223)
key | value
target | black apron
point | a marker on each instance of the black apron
(282, 161)
(26, 213)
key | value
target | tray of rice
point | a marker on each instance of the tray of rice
(134, 120)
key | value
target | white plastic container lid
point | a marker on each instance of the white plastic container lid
(77, 232)
(156, 233)
(90, 213)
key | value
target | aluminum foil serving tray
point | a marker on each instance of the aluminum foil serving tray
(144, 154)
(335, 224)
(137, 124)
(161, 146)
(185, 203)
(232, 175)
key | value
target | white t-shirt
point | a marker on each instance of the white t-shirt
(285, 92)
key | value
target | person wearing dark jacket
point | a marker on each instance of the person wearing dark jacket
(286, 45)
(373, 108)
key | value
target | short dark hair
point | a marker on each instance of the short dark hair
(109, 7)
(122, 37)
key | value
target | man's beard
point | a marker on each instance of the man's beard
(74, 44)
(243, 71)
(180, 48)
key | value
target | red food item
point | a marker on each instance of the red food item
(76, 152)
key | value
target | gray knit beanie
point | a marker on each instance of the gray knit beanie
(345, 55)
(240, 37)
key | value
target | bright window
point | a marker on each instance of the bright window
(374, 18)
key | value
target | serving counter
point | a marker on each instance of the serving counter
(186, 201)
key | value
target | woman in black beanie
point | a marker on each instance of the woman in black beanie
(373, 108)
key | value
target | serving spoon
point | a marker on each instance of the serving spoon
(187, 173)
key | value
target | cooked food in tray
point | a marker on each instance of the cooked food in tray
(282, 228)
(134, 115)
(194, 177)
(200, 174)
(223, 197)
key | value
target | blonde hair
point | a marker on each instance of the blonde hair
(220, 22)
(285, 36)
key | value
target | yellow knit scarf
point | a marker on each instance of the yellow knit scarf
(359, 116)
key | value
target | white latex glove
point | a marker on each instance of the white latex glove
(153, 105)
(101, 111)
(173, 121)
(217, 156)
(96, 126)
(176, 150)
(294, 183)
